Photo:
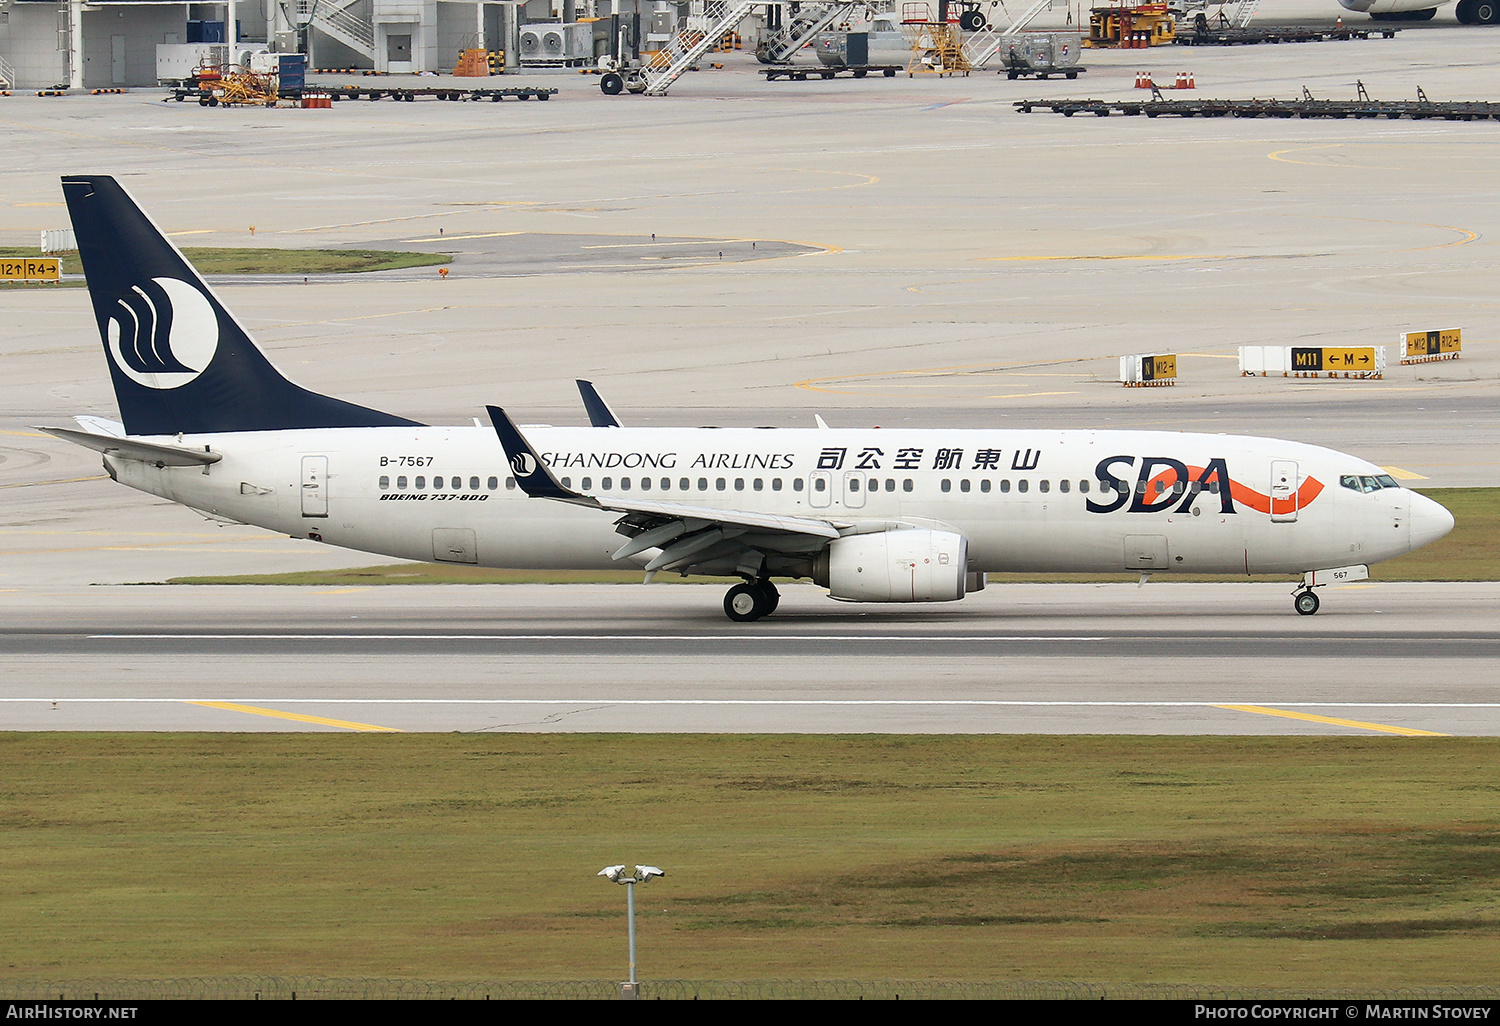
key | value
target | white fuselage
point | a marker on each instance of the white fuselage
(1051, 501)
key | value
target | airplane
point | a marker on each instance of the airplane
(872, 515)
(1468, 12)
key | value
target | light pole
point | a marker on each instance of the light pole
(616, 874)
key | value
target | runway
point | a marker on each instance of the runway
(902, 252)
(1165, 659)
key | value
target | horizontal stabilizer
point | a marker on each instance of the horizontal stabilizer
(135, 449)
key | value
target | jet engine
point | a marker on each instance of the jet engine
(895, 566)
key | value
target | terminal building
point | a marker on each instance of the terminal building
(115, 40)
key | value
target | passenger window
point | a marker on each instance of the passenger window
(401, 481)
(739, 484)
(510, 484)
(437, 482)
(473, 484)
(1022, 485)
(984, 486)
(796, 484)
(906, 484)
(624, 484)
(759, 485)
(947, 485)
(385, 482)
(963, 485)
(566, 483)
(819, 484)
(854, 484)
(1178, 487)
(493, 483)
(775, 484)
(1062, 485)
(666, 484)
(605, 483)
(645, 484)
(890, 484)
(719, 483)
(703, 484)
(685, 484)
(421, 482)
(587, 483)
(1045, 485)
(1004, 485)
(1083, 485)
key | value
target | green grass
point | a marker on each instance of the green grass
(1470, 553)
(245, 260)
(1267, 862)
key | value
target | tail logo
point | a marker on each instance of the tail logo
(523, 464)
(163, 334)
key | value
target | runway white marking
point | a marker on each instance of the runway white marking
(592, 637)
(596, 700)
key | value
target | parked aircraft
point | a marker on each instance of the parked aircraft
(1468, 12)
(872, 515)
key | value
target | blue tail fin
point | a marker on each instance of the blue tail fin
(179, 359)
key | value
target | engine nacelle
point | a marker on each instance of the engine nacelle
(895, 566)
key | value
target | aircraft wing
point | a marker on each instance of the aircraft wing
(686, 534)
(135, 449)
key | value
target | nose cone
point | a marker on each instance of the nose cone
(1429, 521)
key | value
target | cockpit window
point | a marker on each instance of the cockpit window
(1367, 483)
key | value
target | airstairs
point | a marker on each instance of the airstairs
(1244, 11)
(334, 18)
(7, 75)
(673, 61)
(783, 45)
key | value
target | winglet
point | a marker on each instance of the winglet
(530, 472)
(600, 415)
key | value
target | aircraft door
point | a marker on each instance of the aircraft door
(315, 486)
(1283, 491)
(1145, 552)
(854, 489)
(819, 488)
(454, 545)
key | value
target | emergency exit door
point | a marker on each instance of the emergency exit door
(1284, 491)
(315, 486)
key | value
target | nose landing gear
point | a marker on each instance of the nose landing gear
(1305, 601)
(751, 600)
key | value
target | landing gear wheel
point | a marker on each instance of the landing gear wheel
(611, 84)
(772, 596)
(971, 21)
(1464, 12)
(746, 602)
(1305, 602)
(1486, 13)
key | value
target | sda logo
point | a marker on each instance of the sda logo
(163, 335)
(523, 464)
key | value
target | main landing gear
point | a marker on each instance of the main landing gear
(1305, 601)
(751, 600)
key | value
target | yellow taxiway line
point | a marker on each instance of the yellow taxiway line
(299, 717)
(1360, 724)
